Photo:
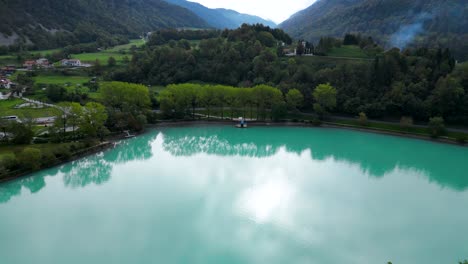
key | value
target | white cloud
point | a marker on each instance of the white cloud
(275, 10)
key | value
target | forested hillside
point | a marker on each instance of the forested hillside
(57, 23)
(221, 18)
(420, 83)
(403, 23)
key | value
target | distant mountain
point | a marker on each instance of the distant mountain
(393, 23)
(49, 23)
(221, 18)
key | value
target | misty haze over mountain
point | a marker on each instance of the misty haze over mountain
(403, 23)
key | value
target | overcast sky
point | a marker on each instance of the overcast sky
(276, 10)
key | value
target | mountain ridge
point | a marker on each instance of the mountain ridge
(54, 23)
(406, 23)
(221, 18)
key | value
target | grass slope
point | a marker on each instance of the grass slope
(7, 107)
(103, 57)
(61, 79)
(348, 52)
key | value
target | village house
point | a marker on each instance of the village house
(43, 63)
(71, 63)
(6, 84)
(29, 64)
(7, 70)
(40, 63)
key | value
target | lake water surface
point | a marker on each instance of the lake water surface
(216, 194)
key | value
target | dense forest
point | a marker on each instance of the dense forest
(420, 83)
(58, 23)
(405, 23)
(221, 18)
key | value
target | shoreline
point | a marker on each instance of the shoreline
(79, 155)
(112, 142)
(439, 140)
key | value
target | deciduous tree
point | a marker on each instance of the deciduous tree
(325, 98)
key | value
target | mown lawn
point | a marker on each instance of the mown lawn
(61, 79)
(7, 57)
(126, 47)
(103, 57)
(9, 60)
(45, 52)
(7, 109)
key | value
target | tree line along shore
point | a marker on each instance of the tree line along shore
(246, 72)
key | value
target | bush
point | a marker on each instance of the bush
(62, 152)
(363, 119)
(279, 112)
(40, 140)
(316, 122)
(22, 134)
(29, 158)
(437, 127)
(152, 117)
(77, 146)
(9, 163)
(462, 138)
(406, 122)
(47, 157)
(90, 143)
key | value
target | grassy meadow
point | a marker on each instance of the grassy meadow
(61, 79)
(7, 107)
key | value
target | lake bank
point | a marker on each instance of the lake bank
(75, 156)
(325, 124)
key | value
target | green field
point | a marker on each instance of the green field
(7, 57)
(348, 52)
(7, 109)
(322, 61)
(61, 79)
(9, 60)
(126, 47)
(103, 57)
(44, 52)
(118, 52)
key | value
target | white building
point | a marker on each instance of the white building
(71, 63)
(6, 84)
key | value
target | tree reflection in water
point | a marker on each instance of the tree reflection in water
(97, 169)
(33, 183)
(89, 170)
(94, 169)
(376, 155)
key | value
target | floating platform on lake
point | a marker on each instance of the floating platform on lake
(128, 135)
(241, 126)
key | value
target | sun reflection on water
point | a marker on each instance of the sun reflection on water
(268, 200)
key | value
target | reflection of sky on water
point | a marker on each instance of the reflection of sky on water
(261, 203)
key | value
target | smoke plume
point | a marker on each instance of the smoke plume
(406, 34)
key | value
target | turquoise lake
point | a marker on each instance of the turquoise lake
(216, 194)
